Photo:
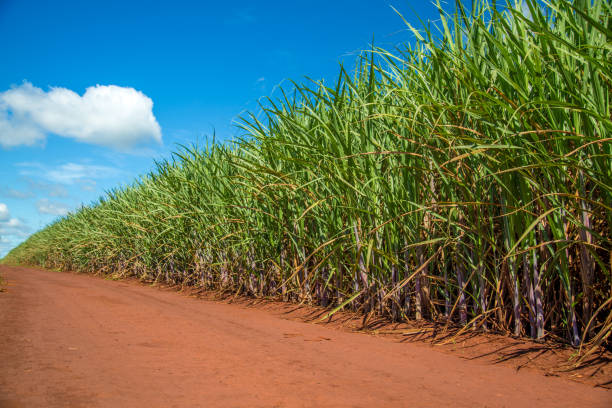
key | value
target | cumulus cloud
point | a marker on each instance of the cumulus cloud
(105, 115)
(45, 206)
(9, 242)
(4, 212)
(12, 230)
(11, 227)
(14, 227)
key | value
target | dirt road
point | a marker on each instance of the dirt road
(78, 341)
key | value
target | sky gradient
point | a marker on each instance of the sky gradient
(85, 85)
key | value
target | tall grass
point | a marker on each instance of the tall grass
(465, 177)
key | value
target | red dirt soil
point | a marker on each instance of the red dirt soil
(71, 340)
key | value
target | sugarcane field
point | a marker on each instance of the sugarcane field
(427, 225)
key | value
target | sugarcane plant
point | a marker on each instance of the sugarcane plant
(464, 177)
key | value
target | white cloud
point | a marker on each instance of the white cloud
(4, 212)
(68, 173)
(12, 223)
(106, 115)
(45, 206)
(15, 132)
(8, 243)
(14, 227)
(12, 230)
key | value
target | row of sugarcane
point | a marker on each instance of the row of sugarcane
(465, 178)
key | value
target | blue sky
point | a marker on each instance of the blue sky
(92, 92)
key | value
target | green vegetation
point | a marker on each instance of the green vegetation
(465, 177)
